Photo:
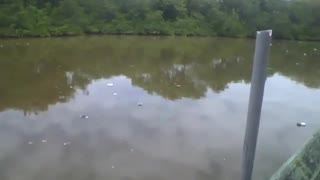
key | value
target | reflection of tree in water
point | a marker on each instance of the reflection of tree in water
(220, 72)
(298, 61)
(32, 89)
(36, 76)
(172, 83)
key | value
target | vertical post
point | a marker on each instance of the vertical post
(260, 62)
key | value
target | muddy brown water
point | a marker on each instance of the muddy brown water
(159, 108)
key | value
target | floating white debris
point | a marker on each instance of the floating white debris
(71, 87)
(61, 97)
(216, 62)
(131, 150)
(315, 49)
(67, 143)
(115, 94)
(44, 141)
(305, 54)
(224, 159)
(38, 70)
(131, 65)
(110, 84)
(287, 51)
(178, 85)
(28, 44)
(30, 142)
(301, 124)
(139, 104)
(112, 167)
(297, 64)
(84, 116)
(69, 75)
(270, 44)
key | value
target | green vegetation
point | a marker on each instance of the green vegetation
(295, 19)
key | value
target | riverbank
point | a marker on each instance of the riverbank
(71, 34)
(135, 34)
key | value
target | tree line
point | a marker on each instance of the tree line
(290, 19)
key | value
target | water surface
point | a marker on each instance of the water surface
(176, 110)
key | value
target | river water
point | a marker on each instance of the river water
(149, 108)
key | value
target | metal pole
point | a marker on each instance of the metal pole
(260, 62)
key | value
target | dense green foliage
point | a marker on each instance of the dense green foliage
(293, 19)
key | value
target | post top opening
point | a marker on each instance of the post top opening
(269, 31)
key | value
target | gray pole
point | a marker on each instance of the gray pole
(260, 62)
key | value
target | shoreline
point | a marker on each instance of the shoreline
(139, 34)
